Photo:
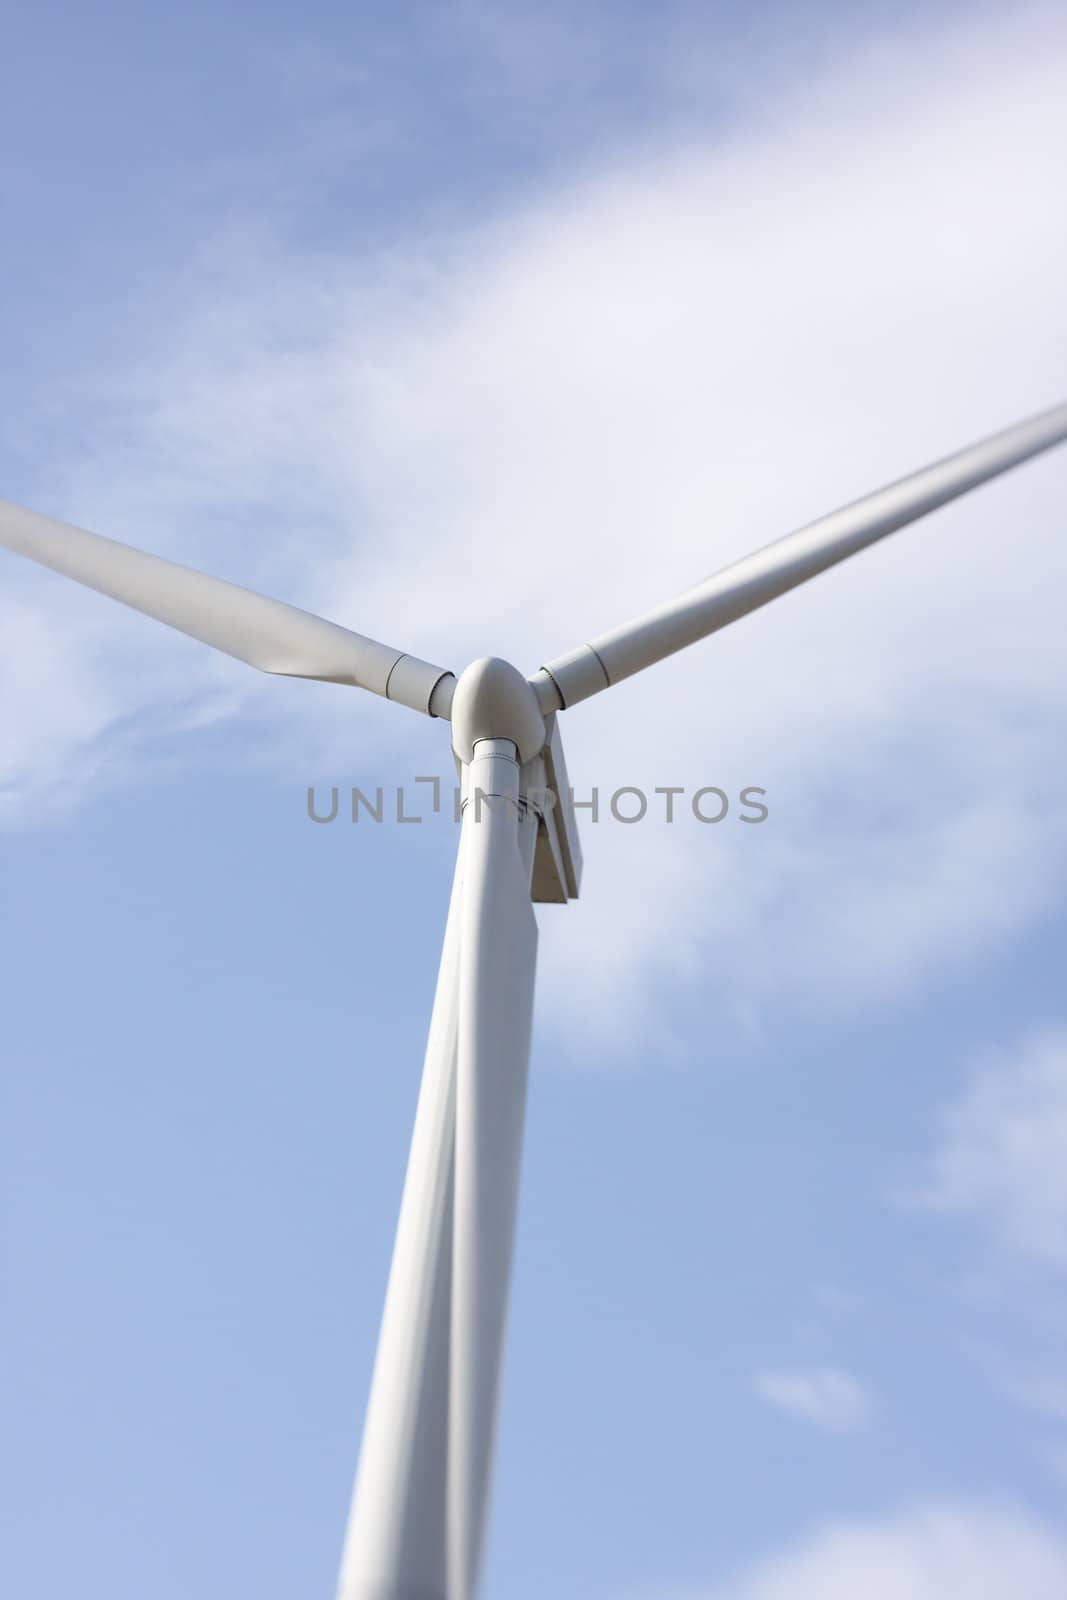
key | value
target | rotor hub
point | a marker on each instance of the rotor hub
(493, 700)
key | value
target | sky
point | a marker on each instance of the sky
(479, 328)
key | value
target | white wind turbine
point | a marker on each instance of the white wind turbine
(419, 1507)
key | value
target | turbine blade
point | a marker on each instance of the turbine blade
(396, 1539)
(498, 955)
(792, 560)
(265, 633)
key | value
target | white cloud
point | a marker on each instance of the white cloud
(56, 708)
(825, 1396)
(510, 438)
(937, 1552)
(1001, 1155)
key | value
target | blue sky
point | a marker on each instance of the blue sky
(479, 327)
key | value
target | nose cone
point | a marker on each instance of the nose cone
(493, 700)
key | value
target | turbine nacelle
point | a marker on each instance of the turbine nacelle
(492, 700)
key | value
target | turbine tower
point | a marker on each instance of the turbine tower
(419, 1509)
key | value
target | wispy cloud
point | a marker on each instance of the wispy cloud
(826, 1396)
(1000, 1159)
(56, 711)
(982, 1551)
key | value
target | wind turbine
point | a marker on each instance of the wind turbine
(419, 1506)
